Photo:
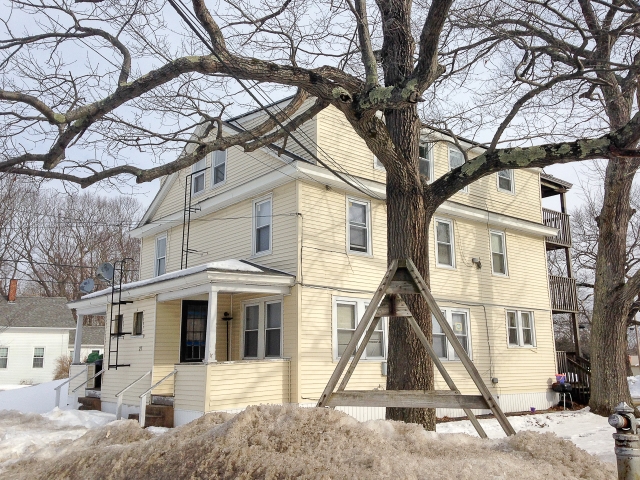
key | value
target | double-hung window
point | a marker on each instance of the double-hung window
(218, 167)
(161, 255)
(498, 253)
(4, 356)
(505, 181)
(358, 228)
(137, 323)
(458, 320)
(445, 253)
(520, 330)
(262, 219)
(263, 329)
(347, 313)
(38, 357)
(425, 162)
(456, 159)
(197, 176)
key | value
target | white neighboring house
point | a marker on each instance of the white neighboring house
(92, 341)
(34, 332)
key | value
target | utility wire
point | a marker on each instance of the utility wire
(257, 100)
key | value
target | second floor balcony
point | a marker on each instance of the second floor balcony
(560, 221)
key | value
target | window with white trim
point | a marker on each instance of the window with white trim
(38, 357)
(505, 180)
(377, 164)
(445, 253)
(137, 323)
(347, 313)
(358, 228)
(458, 320)
(197, 177)
(218, 167)
(262, 220)
(498, 253)
(456, 159)
(520, 329)
(161, 255)
(262, 325)
(425, 161)
(4, 356)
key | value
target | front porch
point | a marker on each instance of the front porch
(210, 341)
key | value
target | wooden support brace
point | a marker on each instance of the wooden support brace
(459, 349)
(405, 399)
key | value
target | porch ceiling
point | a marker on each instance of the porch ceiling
(228, 276)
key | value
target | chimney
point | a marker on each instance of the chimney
(13, 290)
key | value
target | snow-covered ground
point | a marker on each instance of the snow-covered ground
(37, 441)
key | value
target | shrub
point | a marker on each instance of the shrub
(63, 363)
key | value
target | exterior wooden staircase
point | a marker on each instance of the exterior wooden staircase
(577, 371)
(158, 414)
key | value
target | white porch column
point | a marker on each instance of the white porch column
(77, 346)
(212, 324)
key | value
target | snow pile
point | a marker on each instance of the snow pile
(588, 431)
(39, 398)
(292, 442)
(23, 434)
(634, 385)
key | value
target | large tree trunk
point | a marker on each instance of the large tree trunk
(410, 368)
(610, 307)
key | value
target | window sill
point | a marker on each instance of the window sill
(359, 254)
(364, 360)
(137, 336)
(499, 275)
(261, 254)
(523, 347)
(509, 192)
(445, 267)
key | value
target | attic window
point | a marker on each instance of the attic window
(197, 179)
(425, 162)
(218, 167)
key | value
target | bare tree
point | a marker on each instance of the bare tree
(154, 88)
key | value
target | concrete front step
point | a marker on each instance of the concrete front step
(156, 416)
(89, 403)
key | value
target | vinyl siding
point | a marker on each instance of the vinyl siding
(227, 234)
(21, 343)
(135, 350)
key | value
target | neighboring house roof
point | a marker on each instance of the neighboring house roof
(36, 312)
(90, 336)
(552, 179)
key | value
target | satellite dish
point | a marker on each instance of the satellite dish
(105, 272)
(87, 285)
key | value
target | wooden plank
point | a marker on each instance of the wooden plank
(459, 349)
(405, 399)
(443, 371)
(402, 287)
(358, 355)
(388, 309)
(357, 334)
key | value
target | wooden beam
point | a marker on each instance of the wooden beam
(443, 371)
(393, 306)
(405, 399)
(459, 349)
(357, 334)
(359, 352)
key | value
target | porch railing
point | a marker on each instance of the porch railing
(577, 371)
(558, 220)
(143, 398)
(564, 297)
(57, 389)
(120, 395)
(87, 380)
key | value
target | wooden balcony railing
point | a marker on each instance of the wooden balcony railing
(558, 220)
(563, 294)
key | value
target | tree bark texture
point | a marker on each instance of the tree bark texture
(410, 368)
(610, 307)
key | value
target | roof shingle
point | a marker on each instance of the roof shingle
(43, 312)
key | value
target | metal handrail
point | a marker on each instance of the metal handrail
(57, 389)
(143, 398)
(158, 383)
(119, 395)
(87, 380)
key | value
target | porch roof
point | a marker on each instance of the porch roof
(226, 276)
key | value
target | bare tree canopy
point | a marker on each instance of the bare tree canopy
(120, 78)
(120, 89)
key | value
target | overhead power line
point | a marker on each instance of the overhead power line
(202, 38)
